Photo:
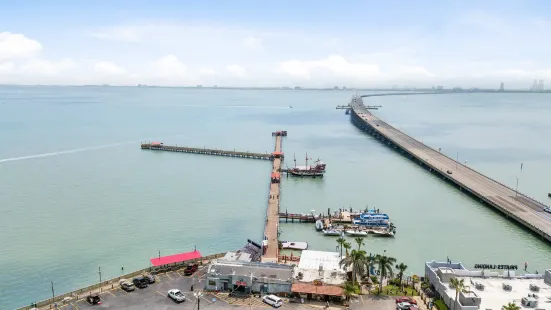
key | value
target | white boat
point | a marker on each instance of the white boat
(357, 233)
(294, 245)
(382, 233)
(319, 225)
(331, 232)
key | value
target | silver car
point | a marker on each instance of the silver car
(176, 295)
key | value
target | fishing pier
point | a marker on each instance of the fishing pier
(159, 146)
(270, 244)
(517, 206)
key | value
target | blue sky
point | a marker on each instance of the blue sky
(310, 43)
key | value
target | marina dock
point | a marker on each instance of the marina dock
(158, 146)
(514, 205)
(271, 242)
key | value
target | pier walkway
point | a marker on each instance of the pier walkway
(272, 213)
(513, 204)
(157, 146)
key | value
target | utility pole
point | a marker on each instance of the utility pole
(53, 291)
(456, 160)
(516, 189)
(99, 272)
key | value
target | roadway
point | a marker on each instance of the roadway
(508, 200)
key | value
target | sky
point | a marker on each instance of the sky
(276, 43)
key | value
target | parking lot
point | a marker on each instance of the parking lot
(155, 297)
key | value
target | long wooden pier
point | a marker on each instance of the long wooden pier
(271, 242)
(157, 146)
(513, 204)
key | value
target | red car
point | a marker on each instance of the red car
(406, 299)
(190, 269)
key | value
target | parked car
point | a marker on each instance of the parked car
(405, 306)
(547, 209)
(449, 172)
(149, 277)
(176, 295)
(140, 282)
(190, 269)
(93, 299)
(126, 285)
(273, 301)
(405, 299)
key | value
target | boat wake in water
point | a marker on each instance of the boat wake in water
(84, 149)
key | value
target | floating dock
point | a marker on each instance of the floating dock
(515, 205)
(158, 146)
(271, 242)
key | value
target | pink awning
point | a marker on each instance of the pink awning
(176, 258)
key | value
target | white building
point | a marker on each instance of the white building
(489, 289)
(321, 266)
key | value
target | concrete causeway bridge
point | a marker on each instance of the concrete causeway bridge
(514, 205)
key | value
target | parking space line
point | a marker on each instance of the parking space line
(158, 278)
(111, 293)
(74, 306)
(161, 293)
(178, 272)
(168, 276)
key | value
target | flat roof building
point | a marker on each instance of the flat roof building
(489, 289)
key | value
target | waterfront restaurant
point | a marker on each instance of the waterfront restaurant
(319, 276)
(489, 286)
(247, 277)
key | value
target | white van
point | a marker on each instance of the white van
(273, 301)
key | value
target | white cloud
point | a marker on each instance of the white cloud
(207, 72)
(17, 46)
(236, 70)
(169, 66)
(43, 67)
(6, 67)
(334, 65)
(122, 33)
(109, 68)
(252, 43)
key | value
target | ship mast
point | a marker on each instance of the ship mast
(295, 160)
(307, 161)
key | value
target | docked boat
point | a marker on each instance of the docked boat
(373, 219)
(319, 225)
(308, 171)
(294, 245)
(356, 233)
(383, 233)
(331, 232)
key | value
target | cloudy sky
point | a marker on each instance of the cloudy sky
(273, 43)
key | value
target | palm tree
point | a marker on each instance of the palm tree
(347, 247)
(511, 306)
(385, 264)
(341, 241)
(356, 259)
(459, 286)
(349, 289)
(401, 268)
(360, 242)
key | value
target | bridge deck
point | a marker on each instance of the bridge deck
(516, 205)
(272, 213)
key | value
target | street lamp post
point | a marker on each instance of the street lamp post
(53, 291)
(516, 189)
(198, 295)
(99, 272)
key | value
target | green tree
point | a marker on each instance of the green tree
(359, 242)
(459, 286)
(401, 268)
(385, 264)
(341, 241)
(356, 260)
(511, 306)
(349, 289)
(347, 246)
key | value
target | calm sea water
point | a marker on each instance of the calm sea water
(77, 193)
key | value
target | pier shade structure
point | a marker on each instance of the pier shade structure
(510, 202)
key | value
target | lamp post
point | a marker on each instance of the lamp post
(53, 291)
(99, 272)
(456, 160)
(516, 189)
(198, 295)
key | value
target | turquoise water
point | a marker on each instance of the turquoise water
(77, 193)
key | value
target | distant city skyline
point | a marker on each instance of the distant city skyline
(359, 44)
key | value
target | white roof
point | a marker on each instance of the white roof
(313, 259)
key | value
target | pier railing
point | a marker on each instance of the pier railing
(114, 282)
(206, 151)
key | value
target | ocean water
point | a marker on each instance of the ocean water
(77, 193)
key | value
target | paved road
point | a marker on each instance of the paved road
(524, 207)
